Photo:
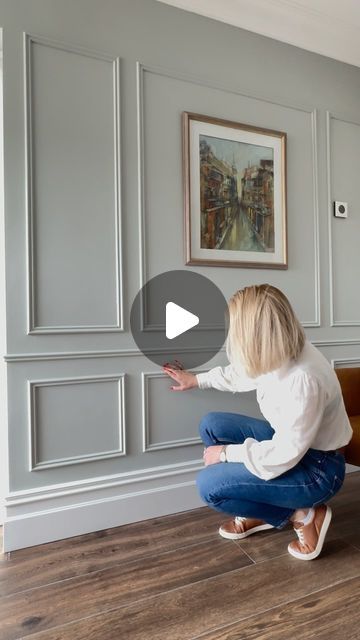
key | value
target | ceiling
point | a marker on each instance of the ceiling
(328, 27)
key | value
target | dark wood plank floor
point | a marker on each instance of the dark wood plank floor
(175, 578)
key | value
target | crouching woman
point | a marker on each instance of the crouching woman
(284, 468)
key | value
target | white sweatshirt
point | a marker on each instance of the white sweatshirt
(303, 403)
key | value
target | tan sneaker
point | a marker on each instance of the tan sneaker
(240, 527)
(311, 536)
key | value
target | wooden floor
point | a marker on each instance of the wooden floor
(175, 578)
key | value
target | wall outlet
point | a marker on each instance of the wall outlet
(341, 209)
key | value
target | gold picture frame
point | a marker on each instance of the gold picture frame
(234, 194)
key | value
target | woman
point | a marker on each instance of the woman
(266, 473)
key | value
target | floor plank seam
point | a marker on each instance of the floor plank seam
(117, 564)
(351, 544)
(84, 535)
(260, 612)
(283, 604)
(10, 595)
(280, 555)
(190, 584)
(141, 600)
(243, 550)
(9, 553)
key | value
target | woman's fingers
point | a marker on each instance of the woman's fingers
(171, 372)
(169, 366)
(174, 365)
(181, 376)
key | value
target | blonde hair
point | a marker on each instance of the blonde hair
(264, 331)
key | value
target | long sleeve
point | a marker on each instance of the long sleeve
(225, 379)
(297, 422)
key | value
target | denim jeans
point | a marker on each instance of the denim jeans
(230, 487)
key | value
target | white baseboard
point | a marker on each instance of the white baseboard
(38, 527)
(56, 517)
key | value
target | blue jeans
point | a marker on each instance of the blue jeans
(231, 488)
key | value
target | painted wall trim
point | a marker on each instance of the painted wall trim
(146, 433)
(338, 362)
(176, 75)
(336, 343)
(121, 353)
(33, 385)
(350, 119)
(102, 483)
(37, 527)
(32, 328)
(131, 353)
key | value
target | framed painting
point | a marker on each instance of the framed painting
(234, 194)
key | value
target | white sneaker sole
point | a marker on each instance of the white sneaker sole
(239, 536)
(319, 546)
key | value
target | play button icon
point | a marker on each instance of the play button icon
(179, 315)
(178, 320)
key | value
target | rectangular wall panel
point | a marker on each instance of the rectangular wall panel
(76, 420)
(162, 97)
(171, 419)
(343, 180)
(73, 182)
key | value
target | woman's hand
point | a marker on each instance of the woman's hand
(185, 380)
(212, 454)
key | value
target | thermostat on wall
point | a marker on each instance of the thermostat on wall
(341, 209)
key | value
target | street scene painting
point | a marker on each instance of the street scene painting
(236, 195)
(235, 204)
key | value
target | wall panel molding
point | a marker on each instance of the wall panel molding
(336, 343)
(113, 353)
(66, 490)
(348, 119)
(64, 518)
(148, 445)
(33, 385)
(133, 353)
(178, 75)
(32, 328)
(339, 362)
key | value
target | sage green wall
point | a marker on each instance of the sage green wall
(93, 94)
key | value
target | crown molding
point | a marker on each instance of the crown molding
(294, 22)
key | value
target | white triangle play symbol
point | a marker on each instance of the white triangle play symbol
(178, 320)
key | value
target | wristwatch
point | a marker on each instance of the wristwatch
(223, 454)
